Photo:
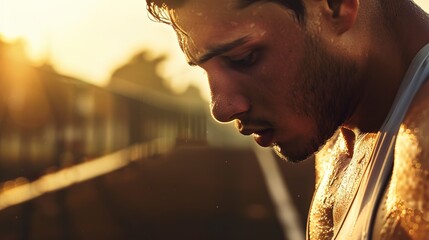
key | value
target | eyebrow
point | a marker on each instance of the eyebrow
(219, 50)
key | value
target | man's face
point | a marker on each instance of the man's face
(269, 73)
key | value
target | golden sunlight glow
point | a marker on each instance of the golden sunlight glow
(20, 190)
(89, 39)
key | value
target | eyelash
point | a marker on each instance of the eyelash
(242, 62)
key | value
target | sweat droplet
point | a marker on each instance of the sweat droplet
(426, 216)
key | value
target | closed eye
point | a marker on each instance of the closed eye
(242, 61)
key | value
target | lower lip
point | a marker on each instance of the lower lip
(264, 138)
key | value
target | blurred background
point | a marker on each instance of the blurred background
(105, 133)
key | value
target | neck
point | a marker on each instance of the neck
(393, 47)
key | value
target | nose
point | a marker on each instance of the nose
(228, 106)
(229, 93)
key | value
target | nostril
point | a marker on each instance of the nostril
(227, 109)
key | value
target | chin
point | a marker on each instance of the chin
(293, 156)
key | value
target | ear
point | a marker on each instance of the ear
(343, 13)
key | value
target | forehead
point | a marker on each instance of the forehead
(207, 22)
(197, 15)
(195, 10)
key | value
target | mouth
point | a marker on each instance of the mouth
(263, 135)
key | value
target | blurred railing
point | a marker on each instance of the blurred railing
(19, 190)
(53, 125)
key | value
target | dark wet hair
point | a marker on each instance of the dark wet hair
(159, 9)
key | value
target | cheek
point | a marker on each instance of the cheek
(280, 71)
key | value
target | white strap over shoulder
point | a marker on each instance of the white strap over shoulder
(359, 221)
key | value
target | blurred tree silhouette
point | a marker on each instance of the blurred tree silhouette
(141, 70)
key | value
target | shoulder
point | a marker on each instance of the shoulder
(413, 141)
(412, 144)
(408, 192)
(416, 122)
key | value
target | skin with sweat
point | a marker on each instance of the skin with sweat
(319, 86)
(247, 87)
